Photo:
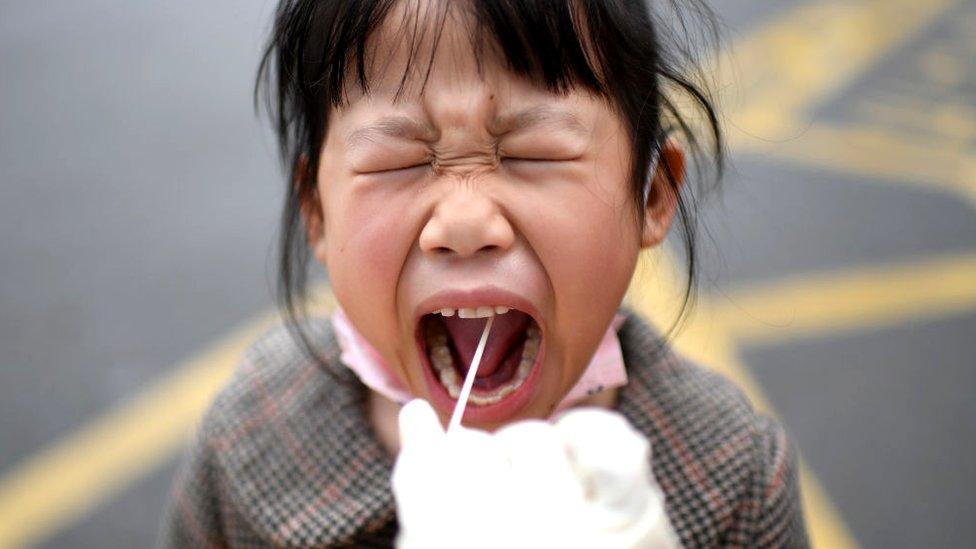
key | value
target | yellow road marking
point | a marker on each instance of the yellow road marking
(873, 296)
(780, 73)
(879, 154)
(783, 71)
(63, 482)
(707, 341)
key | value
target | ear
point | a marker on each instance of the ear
(310, 206)
(662, 200)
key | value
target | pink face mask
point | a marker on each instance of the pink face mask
(605, 371)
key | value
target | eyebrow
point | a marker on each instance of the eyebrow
(541, 115)
(391, 126)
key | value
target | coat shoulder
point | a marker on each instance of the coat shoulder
(720, 462)
(278, 378)
(286, 429)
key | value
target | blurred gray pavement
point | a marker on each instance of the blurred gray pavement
(138, 204)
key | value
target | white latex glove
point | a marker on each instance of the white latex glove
(583, 481)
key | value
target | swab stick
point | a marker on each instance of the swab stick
(469, 379)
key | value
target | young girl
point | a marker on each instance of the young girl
(450, 160)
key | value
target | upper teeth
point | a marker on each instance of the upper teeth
(474, 312)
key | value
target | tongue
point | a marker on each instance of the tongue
(507, 330)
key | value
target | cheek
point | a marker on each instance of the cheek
(591, 266)
(367, 240)
(598, 250)
(586, 237)
(362, 236)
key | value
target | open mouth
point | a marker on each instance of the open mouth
(449, 337)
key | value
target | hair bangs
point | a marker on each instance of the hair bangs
(547, 43)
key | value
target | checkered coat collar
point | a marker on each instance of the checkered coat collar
(287, 456)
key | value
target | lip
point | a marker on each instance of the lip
(511, 404)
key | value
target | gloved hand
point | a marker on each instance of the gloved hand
(583, 481)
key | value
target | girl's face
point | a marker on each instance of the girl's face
(484, 190)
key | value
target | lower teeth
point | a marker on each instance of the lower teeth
(443, 363)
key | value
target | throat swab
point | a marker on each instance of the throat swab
(469, 379)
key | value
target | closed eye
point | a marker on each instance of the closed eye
(530, 159)
(537, 162)
(401, 169)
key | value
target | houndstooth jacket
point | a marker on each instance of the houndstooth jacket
(286, 455)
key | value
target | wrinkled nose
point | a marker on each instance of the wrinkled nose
(464, 223)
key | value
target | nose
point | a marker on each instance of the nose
(465, 223)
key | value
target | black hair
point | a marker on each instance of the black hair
(644, 62)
